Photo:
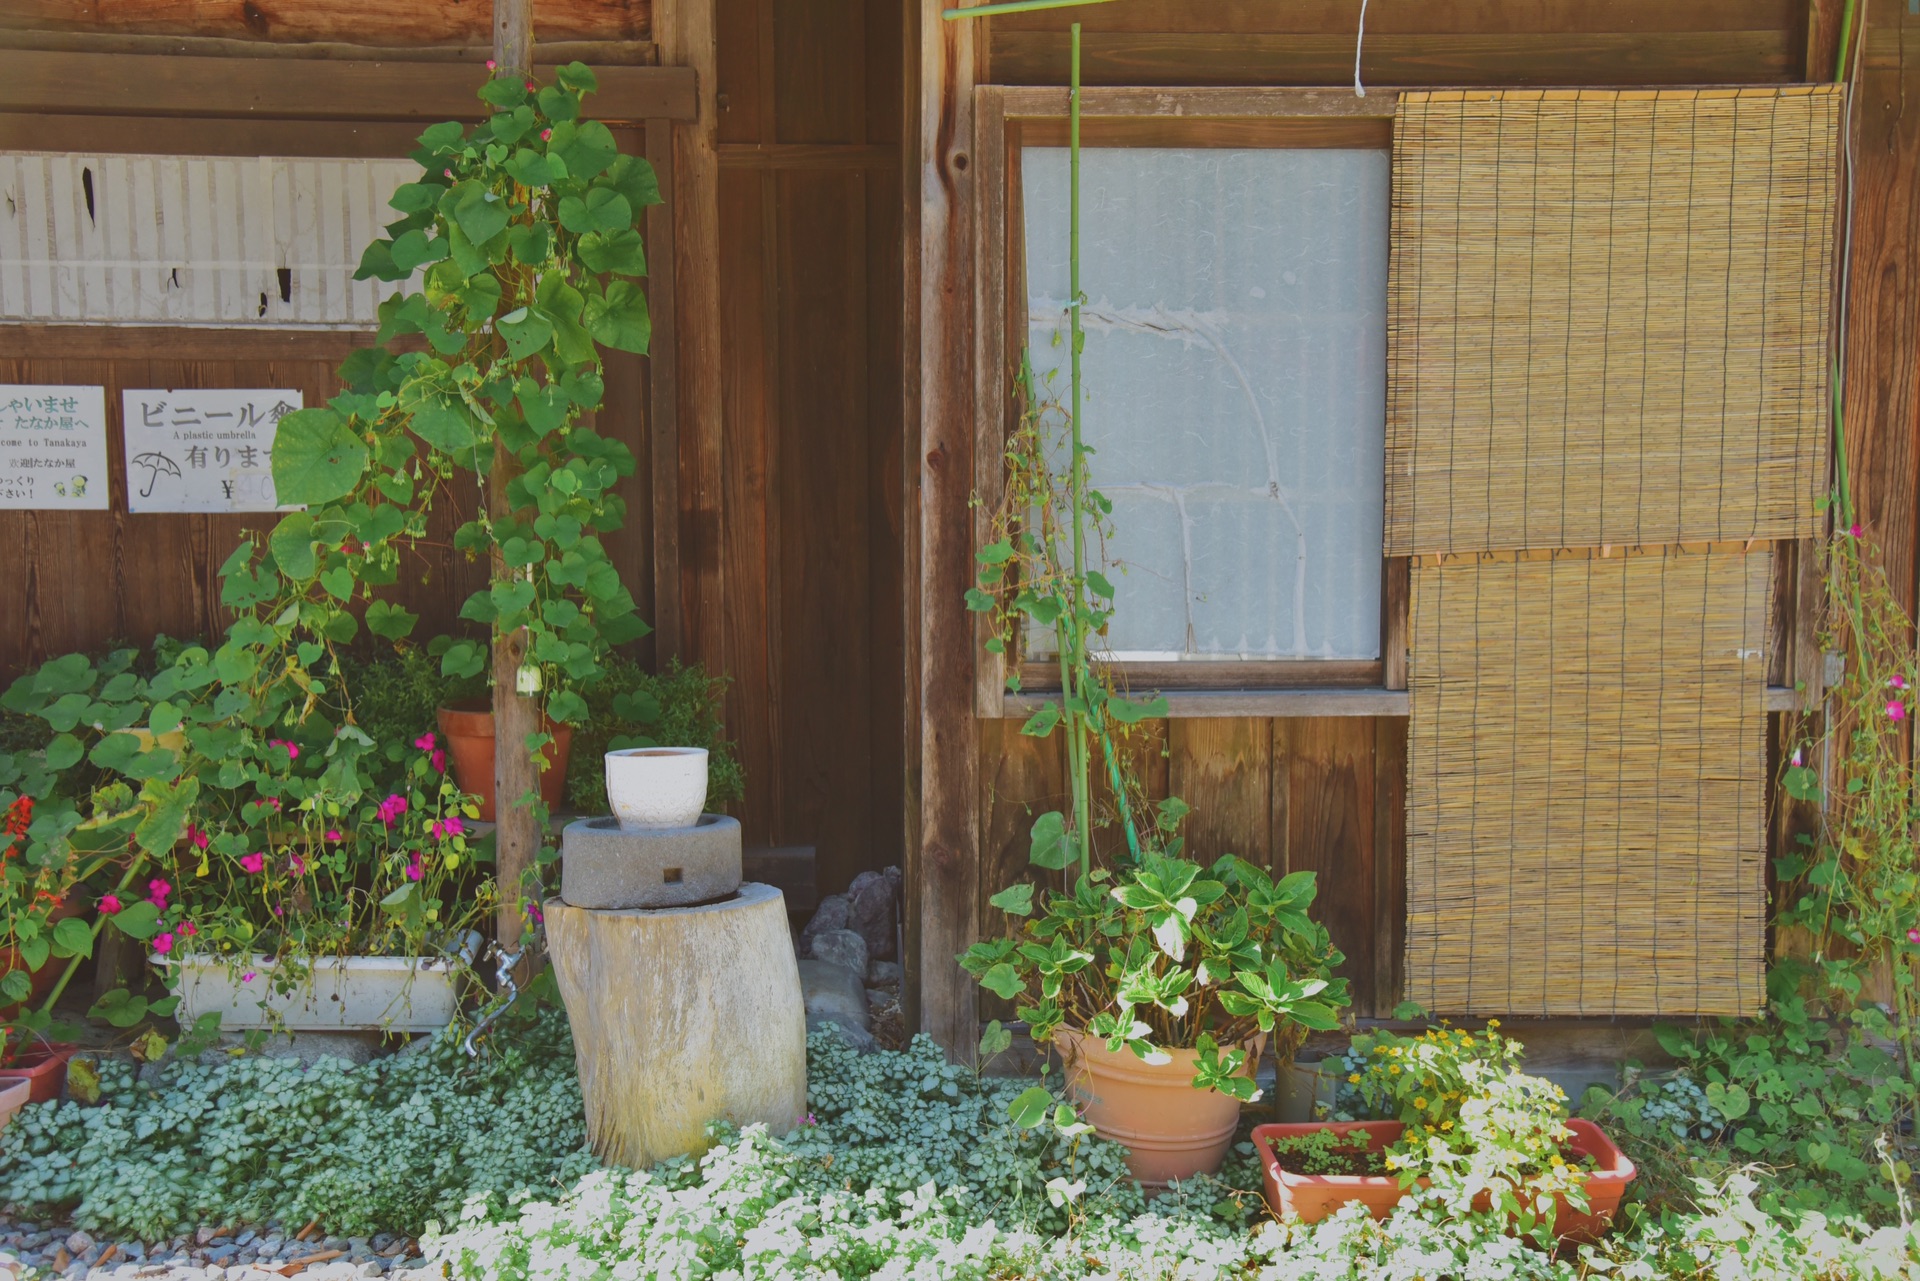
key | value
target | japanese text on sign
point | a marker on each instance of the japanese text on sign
(53, 448)
(203, 450)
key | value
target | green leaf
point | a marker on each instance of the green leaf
(1030, 1110)
(619, 319)
(1051, 846)
(168, 818)
(63, 751)
(338, 582)
(530, 169)
(994, 1040)
(72, 937)
(443, 424)
(578, 77)
(525, 332)
(1015, 900)
(317, 457)
(1730, 1101)
(586, 147)
(621, 252)
(479, 213)
(1003, 981)
(292, 544)
(139, 920)
(395, 622)
(1041, 723)
(1127, 712)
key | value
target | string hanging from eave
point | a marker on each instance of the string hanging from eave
(1359, 45)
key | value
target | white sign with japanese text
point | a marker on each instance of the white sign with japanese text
(53, 448)
(203, 449)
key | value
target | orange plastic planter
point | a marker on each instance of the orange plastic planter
(41, 1067)
(469, 735)
(1170, 1130)
(1313, 1197)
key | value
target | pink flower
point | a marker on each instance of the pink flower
(1897, 710)
(529, 86)
(157, 892)
(535, 915)
(248, 977)
(438, 761)
(425, 742)
(491, 64)
(445, 827)
(253, 863)
(1855, 531)
(163, 943)
(333, 834)
(1898, 682)
(1913, 935)
(109, 903)
(1799, 758)
(392, 808)
(296, 864)
(188, 929)
(414, 870)
(199, 838)
(546, 135)
(293, 752)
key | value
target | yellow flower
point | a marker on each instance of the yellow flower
(1420, 1102)
(1395, 1069)
(1492, 1024)
(1556, 1160)
(1353, 1078)
(1446, 1125)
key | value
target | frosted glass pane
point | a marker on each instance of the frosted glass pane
(1235, 373)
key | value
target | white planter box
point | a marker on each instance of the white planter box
(355, 993)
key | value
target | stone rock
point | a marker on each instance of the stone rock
(843, 948)
(858, 1037)
(79, 1243)
(870, 913)
(833, 992)
(604, 867)
(832, 914)
(307, 1048)
(884, 974)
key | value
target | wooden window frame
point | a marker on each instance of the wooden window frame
(1008, 118)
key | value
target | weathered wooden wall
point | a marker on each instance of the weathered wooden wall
(1326, 794)
(412, 23)
(795, 562)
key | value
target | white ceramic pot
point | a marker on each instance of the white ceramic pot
(343, 994)
(651, 788)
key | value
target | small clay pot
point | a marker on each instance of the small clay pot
(41, 1066)
(469, 735)
(1170, 1129)
(652, 789)
(1313, 1197)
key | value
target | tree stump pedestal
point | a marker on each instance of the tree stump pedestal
(681, 1016)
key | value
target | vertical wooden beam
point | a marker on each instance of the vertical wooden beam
(1883, 304)
(663, 439)
(516, 716)
(1223, 768)
(684, 30)
(943, 863)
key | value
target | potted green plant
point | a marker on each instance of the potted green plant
(1160, 984)
(1453, 1116)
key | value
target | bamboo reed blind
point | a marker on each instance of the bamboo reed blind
(1587, 762)
(1608, 316)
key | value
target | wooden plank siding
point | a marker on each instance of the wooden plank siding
(1283, 782)
(799, 599)
(364, 22)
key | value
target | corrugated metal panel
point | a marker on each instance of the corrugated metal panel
(191, 240)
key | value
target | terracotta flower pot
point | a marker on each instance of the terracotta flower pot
(41, 1066)
(469, 735)
(1315, 1196)
(1170, 1130)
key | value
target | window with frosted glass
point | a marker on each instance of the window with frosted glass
(1235, 376)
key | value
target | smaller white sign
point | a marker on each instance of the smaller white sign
(53, 448)
(203, 449)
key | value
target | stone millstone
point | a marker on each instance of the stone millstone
(604, 867)
(682, 1017)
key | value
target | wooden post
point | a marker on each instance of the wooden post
(517, 837)
(943, 863)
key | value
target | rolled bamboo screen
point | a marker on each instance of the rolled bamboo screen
(1608, 316)
(1587, 762)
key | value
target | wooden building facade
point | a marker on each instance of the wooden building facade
(815, 423)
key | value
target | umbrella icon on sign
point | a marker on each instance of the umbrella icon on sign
(155, 463)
